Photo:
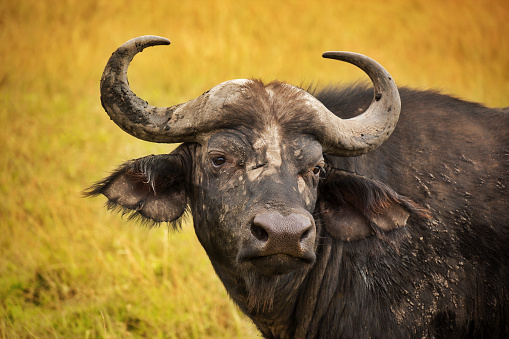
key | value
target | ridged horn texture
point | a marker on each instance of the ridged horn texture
(179, 123)
(184, 122)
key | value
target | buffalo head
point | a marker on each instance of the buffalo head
(250, 166)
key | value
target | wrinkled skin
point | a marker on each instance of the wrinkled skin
(259, 174)
(246, 174)
(407, 241)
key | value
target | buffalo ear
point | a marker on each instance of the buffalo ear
(344, 222)
(152, 188)
(354, 207)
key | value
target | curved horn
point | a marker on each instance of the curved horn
(177, 123)
(183, 122)
(361, 134)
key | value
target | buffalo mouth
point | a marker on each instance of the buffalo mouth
(279, 264)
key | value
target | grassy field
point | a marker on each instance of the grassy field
(70, 269)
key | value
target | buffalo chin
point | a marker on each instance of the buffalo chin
(279, 264)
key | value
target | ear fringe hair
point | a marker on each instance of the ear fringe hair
(137, 169)
(131, 215)
(97, 188)
(141, 170)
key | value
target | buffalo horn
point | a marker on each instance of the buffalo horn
(179, 123)
(183, 122)
(363, 133)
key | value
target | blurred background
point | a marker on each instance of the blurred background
(71, 269)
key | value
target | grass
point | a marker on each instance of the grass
(70, 269)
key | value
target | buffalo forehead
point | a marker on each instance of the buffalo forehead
(267, 148)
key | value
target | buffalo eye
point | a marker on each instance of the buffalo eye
(218, 161)
(318, 170)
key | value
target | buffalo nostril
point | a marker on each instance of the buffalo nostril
(305, 234)
(259, 232)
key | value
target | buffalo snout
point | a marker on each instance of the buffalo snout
(279, 244)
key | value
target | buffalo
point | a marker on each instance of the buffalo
(345, 212)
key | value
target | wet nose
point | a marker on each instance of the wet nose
(275, 233)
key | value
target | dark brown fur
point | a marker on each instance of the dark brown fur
(412, 238)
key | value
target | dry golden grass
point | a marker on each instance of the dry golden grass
(68, 268)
